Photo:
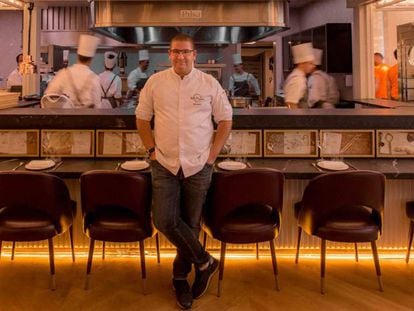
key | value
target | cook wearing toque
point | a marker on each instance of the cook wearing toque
(322, 89)
(79, 82)
(111, 84)
(242, 83)
(15, 77)
(138, 76)
(295, 87)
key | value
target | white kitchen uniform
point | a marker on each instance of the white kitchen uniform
(14, 78)
(295, 88)
(183, 129)
(80, 84)
(134, 77)
(322, 88)
(245, 76)
(111, 86)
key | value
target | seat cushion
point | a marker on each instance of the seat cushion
(248, 224)
(410, 210)
(115, 224)
(350, 224)
(25, 224)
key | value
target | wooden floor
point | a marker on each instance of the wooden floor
(248, 285)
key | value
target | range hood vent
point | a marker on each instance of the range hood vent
(155, 22)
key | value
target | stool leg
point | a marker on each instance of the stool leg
(377, 265)
(157, 244)
(274, 263)
(13, 247)
(103, 250)
(204, 239)
(221, 267)
(410, 241)
(323, 258)
(89, 264)
(1, 244)
(143, 270)
(298, 245)
(52, 264)
(356, 252)
(257, 251)
(71, 243)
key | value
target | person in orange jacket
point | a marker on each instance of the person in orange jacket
(381, 77)
(393, 79)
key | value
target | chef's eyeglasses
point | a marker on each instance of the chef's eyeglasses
(181, 52)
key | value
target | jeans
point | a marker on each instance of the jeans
(177, 209)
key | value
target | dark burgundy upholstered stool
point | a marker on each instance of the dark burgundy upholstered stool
(410, 215)
(344, 207)
(35, 206)
(116, 207)
(245, 207)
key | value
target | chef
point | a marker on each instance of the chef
(79, 82)
(111, 84)
(381, 77)
(295, 87)
(242, 83)
(15, 78)
(138, 76)
(322, 89)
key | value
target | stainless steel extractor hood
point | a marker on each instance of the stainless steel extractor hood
(155, 22)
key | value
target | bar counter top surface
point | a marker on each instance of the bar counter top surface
(292, 168)
(254, 118)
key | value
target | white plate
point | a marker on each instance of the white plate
(333, 165)
(231, 165)
(134, 165)
(38, 165)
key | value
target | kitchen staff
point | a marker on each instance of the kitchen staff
(381, 77)
(138, 76)
(322, 89)
(15, 78)
(111, 84)
(393, 79)
(242, 83)
(79, 82)
(295, 87)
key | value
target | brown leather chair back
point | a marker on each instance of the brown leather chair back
(243, 188)
(132, 191)
(333, 191)
(39, 191)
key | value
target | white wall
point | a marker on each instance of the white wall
(11, 43)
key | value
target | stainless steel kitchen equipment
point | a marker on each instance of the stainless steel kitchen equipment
(241, 102)
(155, 22)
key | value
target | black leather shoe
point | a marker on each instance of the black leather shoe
(183, 294)
(203, 278)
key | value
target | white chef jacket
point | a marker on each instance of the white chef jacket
(322, 88)
(245, 76)
(113, 91)
(183, 128)
(295, 88)
(84, 80)
(134, 76)
(14, 78)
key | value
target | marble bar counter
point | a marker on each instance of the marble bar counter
(254, 118)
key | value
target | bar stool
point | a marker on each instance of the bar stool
(344, 207)
(116, 207)
(410, 214)
(43, 212)
(245, 207)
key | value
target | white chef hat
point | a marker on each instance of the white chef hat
(317, 54)
(110, 59)
(143, 55)
(237, 60)
(302, 53)
(87, 45)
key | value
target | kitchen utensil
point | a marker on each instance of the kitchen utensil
(240, 102)
(16, 167)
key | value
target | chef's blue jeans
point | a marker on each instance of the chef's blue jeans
(177, 208)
